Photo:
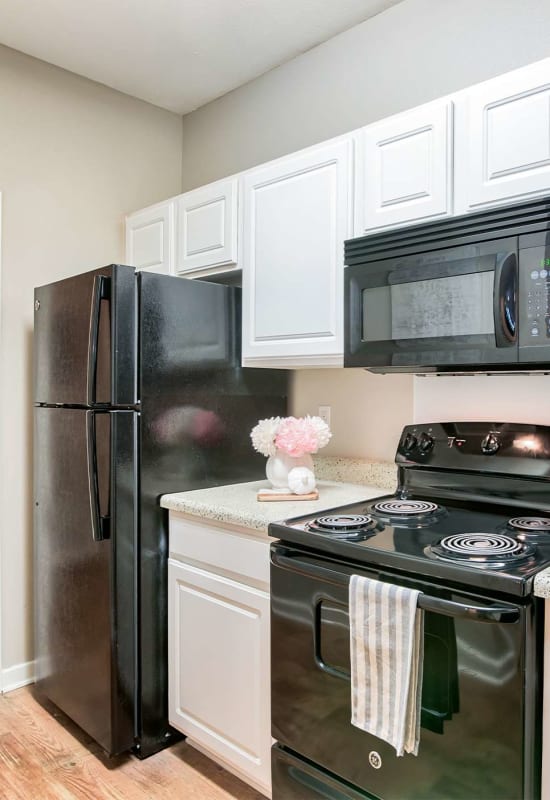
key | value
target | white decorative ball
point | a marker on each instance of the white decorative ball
(301, 480)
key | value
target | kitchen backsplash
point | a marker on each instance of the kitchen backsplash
(506, 398)
(356, 470)
(368, 412)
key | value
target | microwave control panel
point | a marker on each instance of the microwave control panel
(534, 297)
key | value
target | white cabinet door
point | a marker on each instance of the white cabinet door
(207, 229)
(405, 168)
(297, 214)
(219, 669)
(150, 238)
(503, 136)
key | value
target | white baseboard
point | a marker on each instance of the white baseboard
(17, 676)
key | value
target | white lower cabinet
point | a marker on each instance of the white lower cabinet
(219, 650)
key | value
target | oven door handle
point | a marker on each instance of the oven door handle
(499, 614)
(476, 613)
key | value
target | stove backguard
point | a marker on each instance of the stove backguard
(487, 462)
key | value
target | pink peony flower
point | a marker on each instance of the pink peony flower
(296, 437)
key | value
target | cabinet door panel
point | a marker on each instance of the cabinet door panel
(406, 168)
(149, 239)
(505, 128)
(219, 685)
(297, 216)
(207, 227)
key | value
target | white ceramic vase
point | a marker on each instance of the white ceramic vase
(278, 466)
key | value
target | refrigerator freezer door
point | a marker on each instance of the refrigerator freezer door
(85, 609)
(85, 343)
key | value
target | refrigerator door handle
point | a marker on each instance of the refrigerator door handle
(100, 525)
(99, 292)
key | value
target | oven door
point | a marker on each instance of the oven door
(480, 723)
(447, 310)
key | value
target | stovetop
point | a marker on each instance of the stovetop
(472, 508)
(457, 543)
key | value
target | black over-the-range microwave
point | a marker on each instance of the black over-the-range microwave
(463, 294)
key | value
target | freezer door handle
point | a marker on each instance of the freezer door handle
(100, 524)
(100, 291)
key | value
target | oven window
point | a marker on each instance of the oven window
(460, 305)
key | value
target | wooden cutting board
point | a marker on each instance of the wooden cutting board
(272, 496)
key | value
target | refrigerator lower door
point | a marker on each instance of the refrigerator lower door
(85, 610)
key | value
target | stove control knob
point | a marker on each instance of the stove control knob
(490, 445)
(426, 442)
(409, 442)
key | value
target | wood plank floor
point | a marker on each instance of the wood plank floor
(44, 756)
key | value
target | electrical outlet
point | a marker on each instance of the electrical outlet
(324, 413)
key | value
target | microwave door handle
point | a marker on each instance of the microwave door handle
(505, 301)
(438, 605)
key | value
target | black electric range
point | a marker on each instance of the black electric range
(469, 527)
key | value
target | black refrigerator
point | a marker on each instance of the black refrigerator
(138, 391)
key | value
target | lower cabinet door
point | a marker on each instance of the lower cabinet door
(219, 673)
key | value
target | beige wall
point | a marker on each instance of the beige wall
(414, 52)
(74, 158)
(368, 411)
(505, 398)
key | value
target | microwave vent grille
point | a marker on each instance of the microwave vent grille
(454, 231)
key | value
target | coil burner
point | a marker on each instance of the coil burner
(410, 513)
(344, 526)
(485, 550)
(530, 529)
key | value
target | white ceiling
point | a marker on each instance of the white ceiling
(177, 54)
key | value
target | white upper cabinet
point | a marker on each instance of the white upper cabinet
(284, 223)
(503, 139)
(297, 214)
(207, 229)
(404, 170)
(150, 238)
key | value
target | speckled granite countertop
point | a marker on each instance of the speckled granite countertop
(237, 504)
(541, 585)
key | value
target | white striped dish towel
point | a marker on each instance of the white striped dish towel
(387, 650)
